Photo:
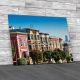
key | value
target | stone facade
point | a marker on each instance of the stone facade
(55, 43)
(33, 39)
(45, 44)
(59, 8)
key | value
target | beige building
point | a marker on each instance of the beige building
(55, 43)
(33, 39)
(44, 37)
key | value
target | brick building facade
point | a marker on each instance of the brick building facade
(19, 45)
(55, 43)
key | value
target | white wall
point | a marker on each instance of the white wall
(61, 8)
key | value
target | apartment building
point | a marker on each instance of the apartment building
(44, 38)
(33, 39)
(19, 44)
(40, 41)
(55, 43)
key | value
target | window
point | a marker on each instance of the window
(25, 42)
(38, 37)
(28, 36)
(35, 37)
(20, 40)
(30, 47)
(34, 46)
(32, 36)
(46, 40)
(56, 44)
(24, 54)
(41, 39)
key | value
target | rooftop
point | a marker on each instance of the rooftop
(17, 33)
(44, 33)
(31, 29)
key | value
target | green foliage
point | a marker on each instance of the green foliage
(36, 56)
(22, 61)
(57, 54)
(69, 58)
(39, 56)
(47, 54)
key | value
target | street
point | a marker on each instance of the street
(70, 71)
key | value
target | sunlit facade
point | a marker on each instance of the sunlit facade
(55, 43)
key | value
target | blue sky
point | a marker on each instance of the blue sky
(55, 26)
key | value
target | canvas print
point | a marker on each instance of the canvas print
(39, 39)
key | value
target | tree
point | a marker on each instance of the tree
(69, 58)
(47, 55)
(56, 55)
(63, 54)
(36, 56)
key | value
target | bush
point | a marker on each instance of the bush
(36, 56)
(47, 56)
(69, 58)
(56, 54)
(22, 61)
